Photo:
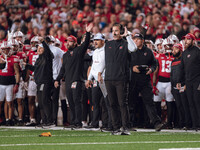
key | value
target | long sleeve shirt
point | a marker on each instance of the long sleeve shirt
(98, 64)
(143, 56)
(116, 59)
(190, 64)
(71, 68)
(175, 72)
(43, 72)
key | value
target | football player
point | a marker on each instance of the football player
(20, 95)
(162, 90)
(32, 87)
(9, 80)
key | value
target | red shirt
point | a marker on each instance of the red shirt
(9, 68)
(32, 57)
(21, 56)
(164, 65)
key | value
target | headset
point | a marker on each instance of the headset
(121, 27)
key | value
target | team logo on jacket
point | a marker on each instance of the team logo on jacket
(145, 54)
(120, 47)
(188, 56)
(71, 53)
(110, 47)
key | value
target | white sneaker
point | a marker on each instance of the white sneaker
(84, 124)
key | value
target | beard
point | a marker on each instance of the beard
(187, 45)
(177, 54)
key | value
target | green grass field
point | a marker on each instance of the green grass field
(23, 139)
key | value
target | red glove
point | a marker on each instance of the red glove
(155, 90)
(15, 88)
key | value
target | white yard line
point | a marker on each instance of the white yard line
(181, 149)
(99, 143)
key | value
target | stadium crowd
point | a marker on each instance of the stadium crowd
(128, 63)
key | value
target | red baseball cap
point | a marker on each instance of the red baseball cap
(190, 36)
(72, 38)
(196, 30)
(179, 46)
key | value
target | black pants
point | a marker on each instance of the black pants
(182, 106)
(106, 113)
(44, 100)
(74, 99)
(193, 95)
(118, 103)
(100, 103)
(147, 97)
(86, 108)
(55, 97)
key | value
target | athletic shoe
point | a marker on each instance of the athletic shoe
(8, 122)
(132, 129)
(92, 128)
(39, 126)
(116, 132)
(159, 126)
(70, 126)
(85, 125)
(20, 123)
(31, 124)
(125, 131)
(106, 129)
(48, 126)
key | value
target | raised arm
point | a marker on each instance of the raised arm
(86, 43)
(131, 44)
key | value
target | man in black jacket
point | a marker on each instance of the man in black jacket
(71, 70)
(190, 67)
(180, 95)
(43, 75)
(116, 76)
(143, 63)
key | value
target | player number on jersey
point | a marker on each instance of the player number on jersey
(166, 66)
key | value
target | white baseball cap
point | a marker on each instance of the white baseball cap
(99, 36)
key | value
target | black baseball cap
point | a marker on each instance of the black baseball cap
(138, 35)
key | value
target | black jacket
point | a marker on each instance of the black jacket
(143, 56)
(116, 60)
(72, 66)
(175, 72)
(43, 72)
(190, 64)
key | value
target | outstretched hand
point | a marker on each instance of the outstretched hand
(89, 27)
(10, 34)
